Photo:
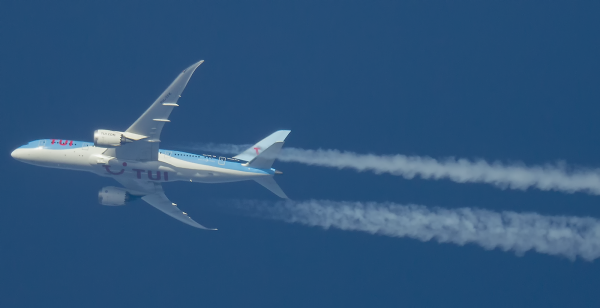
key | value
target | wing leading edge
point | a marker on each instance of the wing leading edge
(151, 123)
(163, 204)
(153, 194)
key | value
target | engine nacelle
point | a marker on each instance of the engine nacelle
(108, 138)
(113, 196)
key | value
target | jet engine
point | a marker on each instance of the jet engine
(113, 196)
(108, 138)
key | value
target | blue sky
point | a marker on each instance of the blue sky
(515, 81)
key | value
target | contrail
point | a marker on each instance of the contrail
(565, 236)
(556, 177)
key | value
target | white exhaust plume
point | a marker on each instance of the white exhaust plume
(569, 237)
(514, 176)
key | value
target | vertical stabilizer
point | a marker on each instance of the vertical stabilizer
(263, 145)
(262, 155)
(265, 159)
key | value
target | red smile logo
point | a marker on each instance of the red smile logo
(107, 167)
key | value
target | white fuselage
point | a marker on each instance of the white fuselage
(171, 165)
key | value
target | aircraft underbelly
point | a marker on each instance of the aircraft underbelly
(156, 171)
(161, 172)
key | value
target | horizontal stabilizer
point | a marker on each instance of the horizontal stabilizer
(270, 184)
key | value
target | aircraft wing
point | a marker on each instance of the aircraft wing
(154, 195)
(162, 203)
(151, 123)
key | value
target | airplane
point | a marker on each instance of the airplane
(133, 158)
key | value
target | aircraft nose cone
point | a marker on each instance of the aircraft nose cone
(18, 154)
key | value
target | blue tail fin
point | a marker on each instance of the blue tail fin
(262, 154)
